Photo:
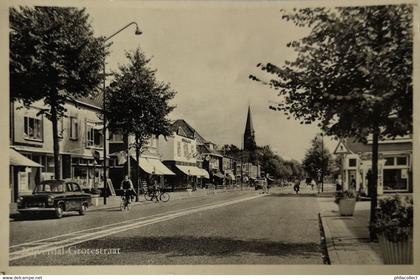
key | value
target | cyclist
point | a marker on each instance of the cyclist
(127, 186)
(155, 191)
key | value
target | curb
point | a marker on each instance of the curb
(329, 243)
(324, 242)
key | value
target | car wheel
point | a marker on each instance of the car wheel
(83, 210)
(59, 211)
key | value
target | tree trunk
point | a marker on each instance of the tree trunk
(137, 168)
(56, 144)
(374, 180)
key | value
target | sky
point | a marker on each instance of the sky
(206, 51)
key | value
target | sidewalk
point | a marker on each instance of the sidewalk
(347, 238)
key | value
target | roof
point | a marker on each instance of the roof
(188, 131)
(95, 100)
(249, 127)
(203, 149)
(358, 147)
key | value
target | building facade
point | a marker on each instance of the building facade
(179, 154)
(395, 164)
(149, 167)
(81, 143)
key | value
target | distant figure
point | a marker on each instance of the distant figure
(353, 184)
(338, 185)
(296, 186)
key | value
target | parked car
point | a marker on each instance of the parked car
(260, 183)
(55, 196)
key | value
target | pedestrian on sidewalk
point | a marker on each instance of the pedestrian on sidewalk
(296, 187)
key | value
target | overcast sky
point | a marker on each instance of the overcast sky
(207, 52)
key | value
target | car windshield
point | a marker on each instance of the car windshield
(50, 187)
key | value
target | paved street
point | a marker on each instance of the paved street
(227, 228)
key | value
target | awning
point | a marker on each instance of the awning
(159, 167)
(218, 174)
(17, 159)
(204, 173)
(230, 176)
(146, 166)
(190, 170)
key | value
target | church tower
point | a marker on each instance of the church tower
(249, 135)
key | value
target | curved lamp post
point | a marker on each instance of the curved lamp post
(137, 32)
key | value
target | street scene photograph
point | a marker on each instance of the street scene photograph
(210, 133)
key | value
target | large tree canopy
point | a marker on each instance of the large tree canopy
(352, 74)
(54, 57)
(353, 71)
(136, 103)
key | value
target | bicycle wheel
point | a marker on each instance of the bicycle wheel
(148, 196)
(122, 205)
(164, 197)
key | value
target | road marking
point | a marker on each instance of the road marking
(40, 246)
(48, 239)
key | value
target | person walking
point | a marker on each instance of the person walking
(296, 186)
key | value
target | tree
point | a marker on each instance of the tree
(138, 104)
(352, 74)
(317, 159)
(54, 57)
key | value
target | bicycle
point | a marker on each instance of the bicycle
(125, 203)
(161, 195)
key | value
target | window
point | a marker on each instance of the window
(60, 127)
(389, 161)
(394, 179)
(401, 160)
(94, 135)
(186, 150)
(352, 162)
(74, 128)
(33, 128)
(117, 138)
(178, 149)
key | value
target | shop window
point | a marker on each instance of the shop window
(389, 161)
(394, 179)
(74, 128)
(33, 128)
(50, 164)
(352, 162)
(402, 161)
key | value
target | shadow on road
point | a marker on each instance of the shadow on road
(176, 246)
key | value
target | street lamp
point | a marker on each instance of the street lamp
(137, 32)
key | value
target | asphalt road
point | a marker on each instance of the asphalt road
(229, 228)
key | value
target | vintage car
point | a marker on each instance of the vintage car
(55, 196)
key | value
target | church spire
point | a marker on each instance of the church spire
(249, 135)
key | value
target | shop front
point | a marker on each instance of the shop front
(24, 174)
